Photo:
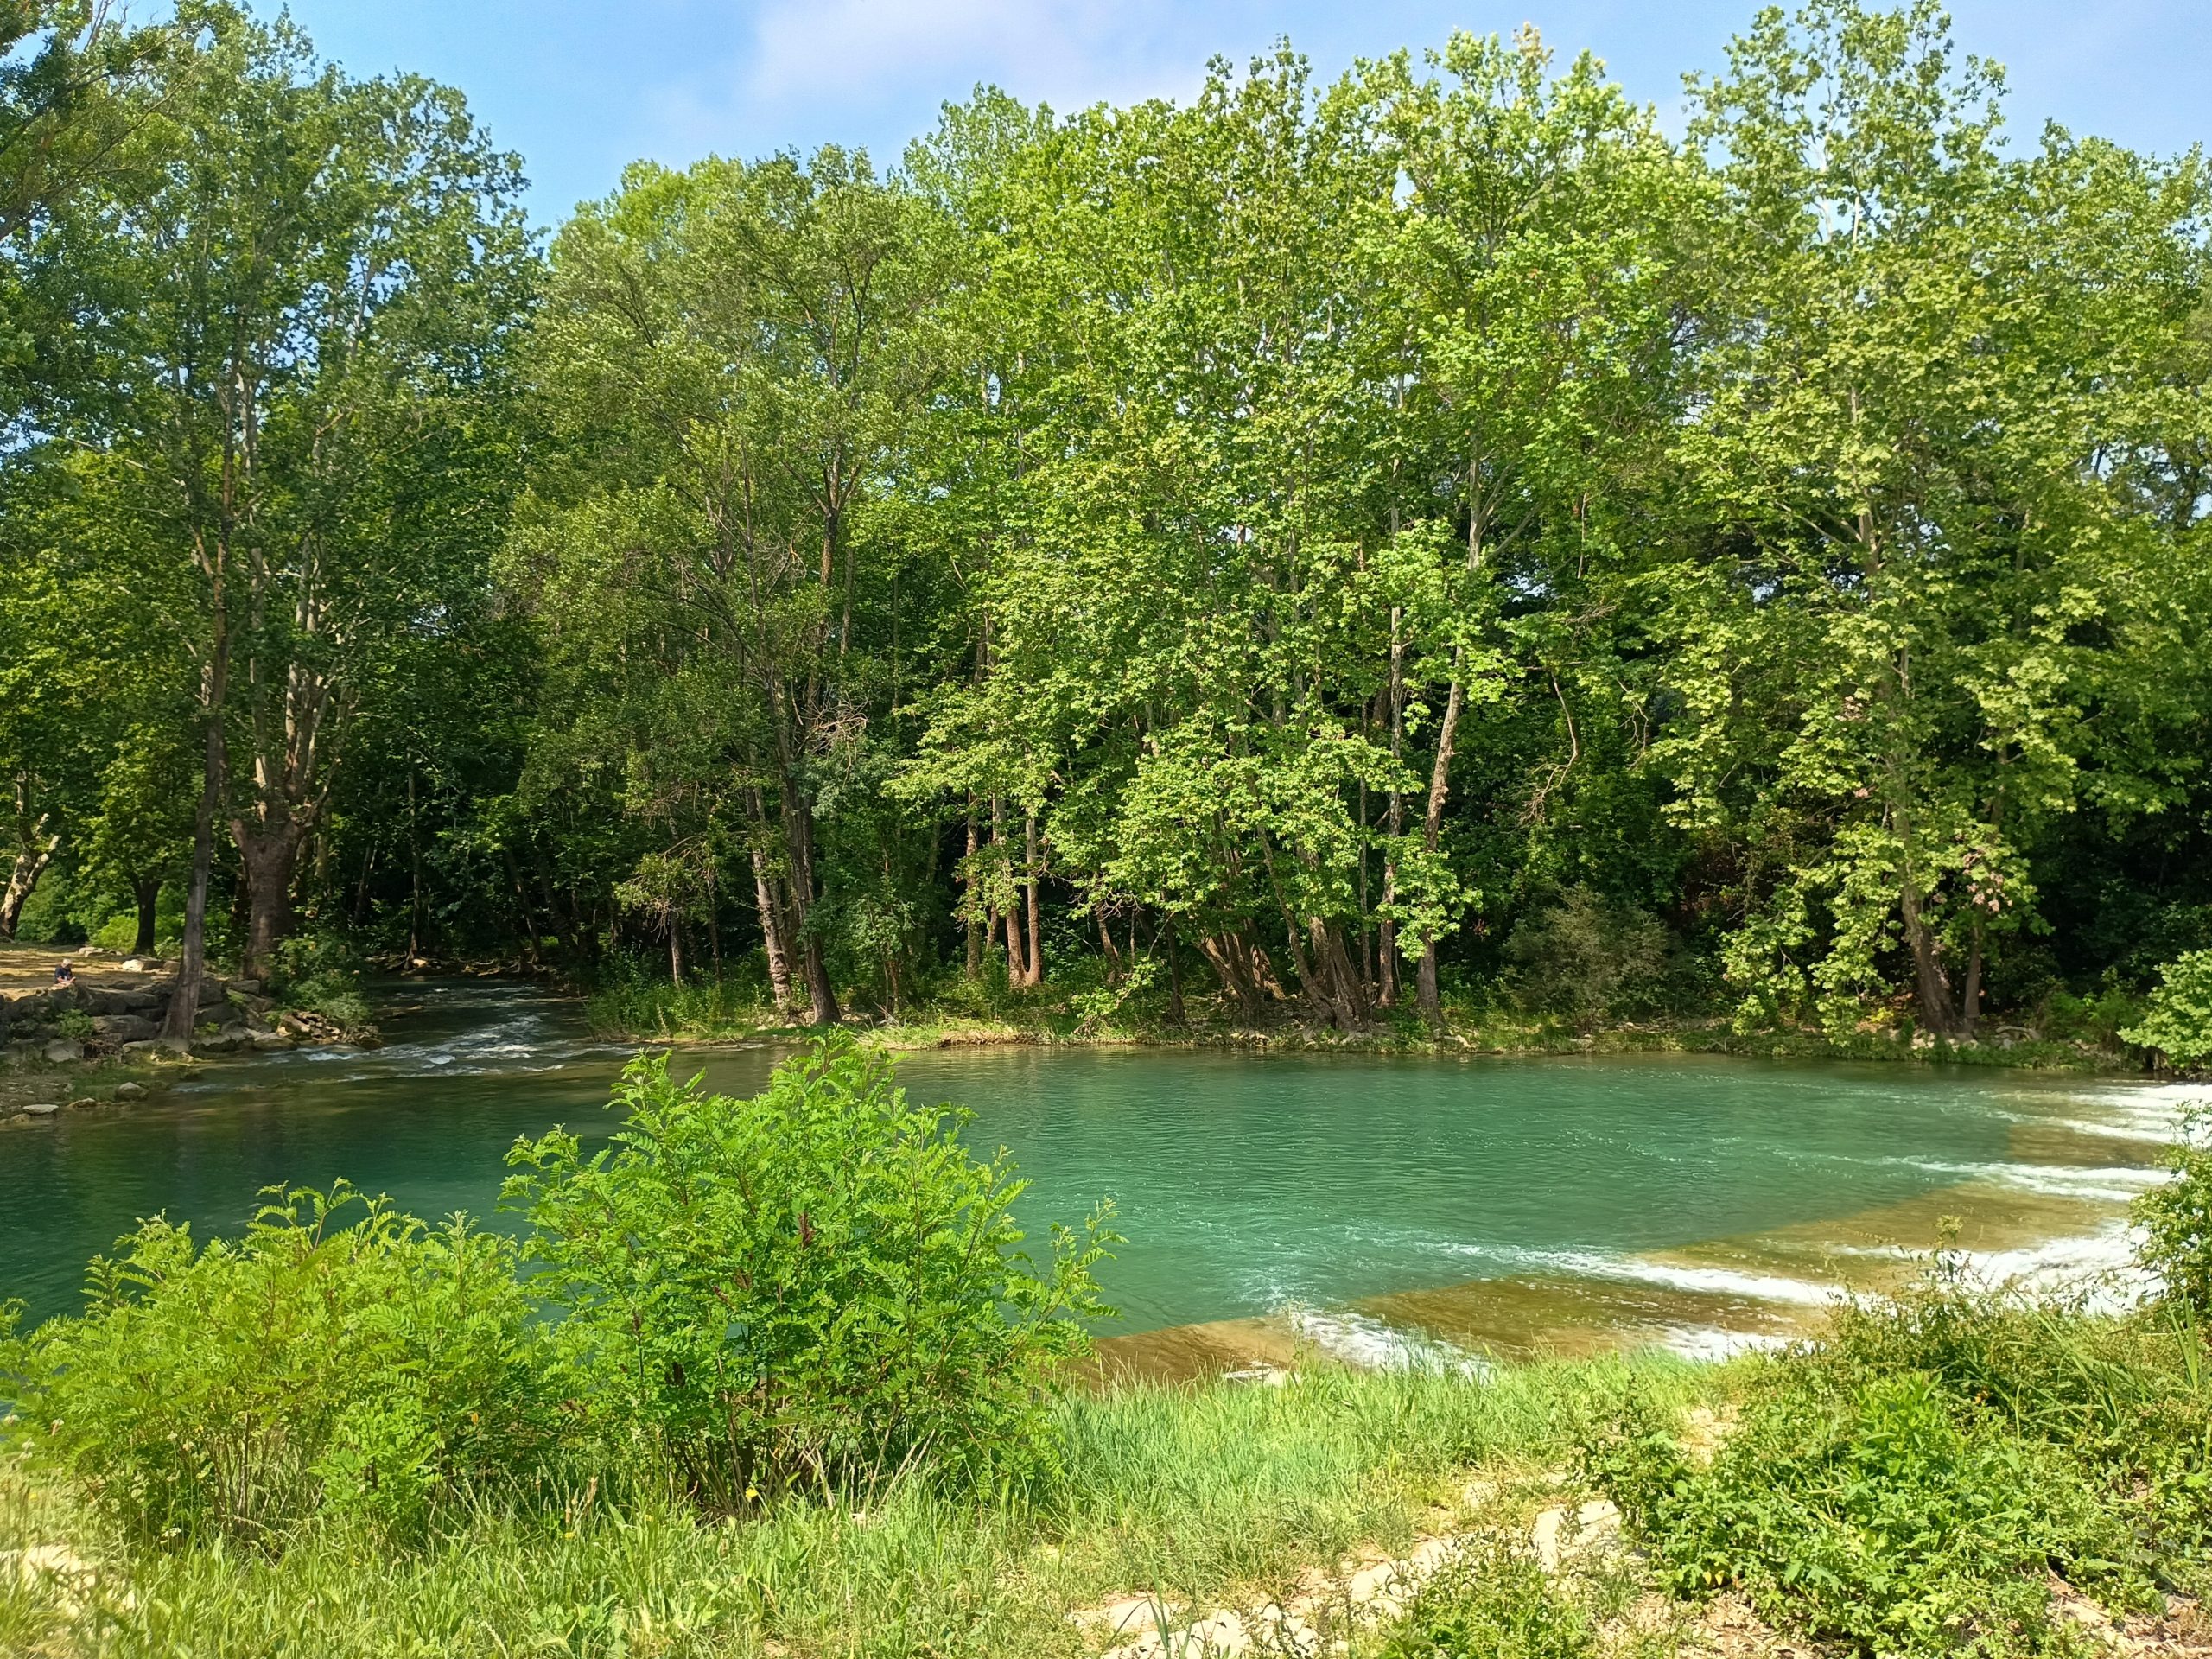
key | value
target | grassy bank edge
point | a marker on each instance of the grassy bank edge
(1216, 1495)
(1459, 1039)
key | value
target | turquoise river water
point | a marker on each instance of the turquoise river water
(1697, 1196)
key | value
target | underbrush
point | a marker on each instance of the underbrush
(627, 1003)
(1909, 1483)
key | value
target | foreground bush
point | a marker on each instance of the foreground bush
(1907, 1484)
(813, 1285)
(2176, 1216)
(339, 1357)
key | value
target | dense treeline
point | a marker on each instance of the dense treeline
(1309, 549)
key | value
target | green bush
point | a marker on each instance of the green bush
(1587, 959)
(2178, 1022)
(809, 1287)
(74, 1024)
(1875, 1517)
(1490, 1601)
(2176, 1216)
(233, 1390)
(319, 974)
(1905, 1484)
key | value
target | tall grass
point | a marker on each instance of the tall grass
(630, 1004)
(1194, 1495)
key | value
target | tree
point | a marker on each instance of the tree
(731, 360)
(304, 289)
(1918, 574)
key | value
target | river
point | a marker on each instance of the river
(1357, 1203)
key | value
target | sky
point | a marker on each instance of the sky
(583, 87)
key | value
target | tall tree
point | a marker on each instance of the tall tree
(1920, 358)
(304, 289)
(732, 360)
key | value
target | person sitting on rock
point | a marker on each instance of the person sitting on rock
(64, 975)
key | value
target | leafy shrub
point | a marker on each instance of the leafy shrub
(1875, 1517)
(318, 973)
(234, 1389)
(1904, 1484)
(2178, 1022)
(74, 1024)
(630, 1000)
(1490, 1601)
(2176, 1216)
(1586, 959)
(813, 1285)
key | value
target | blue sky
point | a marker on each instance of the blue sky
(581, 87)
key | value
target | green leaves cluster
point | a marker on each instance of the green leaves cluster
(341, 1358)
(816, 1285)
(1909, 1483)
(815, 1288)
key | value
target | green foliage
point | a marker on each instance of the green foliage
(630, 999)
(1904, 1484)
(2179, 1021)
(2176, 1216)
(1490, 1601)
(813, 1286)
(340, 1359)
(73, 1023)
(321, 973)
(1585, 958)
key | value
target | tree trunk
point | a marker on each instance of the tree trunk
(1175, 971)
(798, 830)
(30, 863)
(415, 876)
(1226, 953)
(1970, 997)
(771, 933)
(1933, 984)
(147, 891)
(1034, 969)
(974, 922)
(1387, 970)
(268, 862)
(674, 950)
(1439, 783)
(191, 962)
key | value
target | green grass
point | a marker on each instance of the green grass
(1219, 1494)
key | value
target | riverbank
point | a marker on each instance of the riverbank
(1401, 1514)
(703, 1018)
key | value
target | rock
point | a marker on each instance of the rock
(131, 1091)
(246, 986)
(125, 1027)
(85, 1103)
(122, 1001)
(62, 1052)
(212, 993)
(44, 1109)
(35, 1004)
(140, 965)
(1560, 1534)
(265, 1040)
(238, 1032)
